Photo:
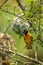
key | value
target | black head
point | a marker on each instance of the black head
(25, 32)
(3, 58)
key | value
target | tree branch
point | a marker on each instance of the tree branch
(3, 3)
(7, 26)
(35, 48)
(27, 57)
(18, 60)
(12, 13)
(20, 5)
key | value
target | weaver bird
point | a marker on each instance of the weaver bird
(28, 39)
(5, 62)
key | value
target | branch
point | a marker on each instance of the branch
(16, 63)
(20, 5)
(3, 3)
(27, 57)
(18, 60)
(7, 26)
(35, 48)
(11, 13)
(21, 55)
(10, 20)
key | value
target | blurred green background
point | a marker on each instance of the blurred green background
(4, 17)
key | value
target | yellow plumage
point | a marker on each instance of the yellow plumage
(6, 63)
(28, 40)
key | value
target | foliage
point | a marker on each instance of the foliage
(31, 20)
(33, 16)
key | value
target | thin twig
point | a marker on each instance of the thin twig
(18, 60)
(16, 63)
(12, 13)
(3, 3)
(35, 48)
(20, 5)
(27, 57)
(8, 26)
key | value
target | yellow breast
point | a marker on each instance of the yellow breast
(27, 38)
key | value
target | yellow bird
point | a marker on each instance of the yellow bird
(5, 62)
(28, 39)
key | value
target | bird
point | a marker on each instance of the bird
(28, 39)
(5, 62)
